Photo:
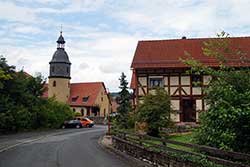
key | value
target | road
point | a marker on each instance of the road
(69, 148)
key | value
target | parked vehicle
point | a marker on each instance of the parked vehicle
(72, 124)
(86, 122)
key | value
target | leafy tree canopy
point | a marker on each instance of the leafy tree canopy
(226, 124)
(21, 105)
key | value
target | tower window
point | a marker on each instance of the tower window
(53, 69)
(54, 83)
(67, 70)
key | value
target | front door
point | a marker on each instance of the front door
(189, 114)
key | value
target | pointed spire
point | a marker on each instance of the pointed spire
(60, 39)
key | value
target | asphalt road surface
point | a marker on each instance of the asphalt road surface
(74, 148)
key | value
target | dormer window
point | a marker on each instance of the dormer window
(85, 99)
(74, 99)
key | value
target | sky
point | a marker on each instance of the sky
(102, 35)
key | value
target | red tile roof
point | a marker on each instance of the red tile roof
(81, 90)
(167, 53)
(45, 93)
(133, 81)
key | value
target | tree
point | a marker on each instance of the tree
(226, 123)
(124, 103)
(155, 111)
(21, 105)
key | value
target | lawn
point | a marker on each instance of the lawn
(185, 138)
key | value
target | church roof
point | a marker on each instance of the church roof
(60, 56)
(61, 39)
(167, 53)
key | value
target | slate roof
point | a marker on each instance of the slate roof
(167, 53)
(61, 39)
(60, 56)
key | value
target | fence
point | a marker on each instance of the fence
(165, 152)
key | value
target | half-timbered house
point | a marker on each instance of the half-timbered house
(157, 63)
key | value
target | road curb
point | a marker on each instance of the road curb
(132, 161)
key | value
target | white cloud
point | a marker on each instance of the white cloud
(75, 6)
(83, 66)
(11, 12)
(101, 51)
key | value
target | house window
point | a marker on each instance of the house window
(85, 99)
(155, 82)
(74, 99)
(54, 83)
(101, 98)
(104, 110)
(196, 80)
(74, 110)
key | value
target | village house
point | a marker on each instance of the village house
(157, 63)
(88, 98)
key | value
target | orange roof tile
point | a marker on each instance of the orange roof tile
(45, 93)
(167, 53)
(81, 90)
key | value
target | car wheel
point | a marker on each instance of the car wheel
(77, 126)
(63, 127)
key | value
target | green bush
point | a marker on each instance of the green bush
(226, 124)
(155, 111)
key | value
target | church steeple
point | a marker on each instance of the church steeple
(59, 73)
(60, 41)
(60, 64)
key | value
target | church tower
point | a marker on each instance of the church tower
(59, 73)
